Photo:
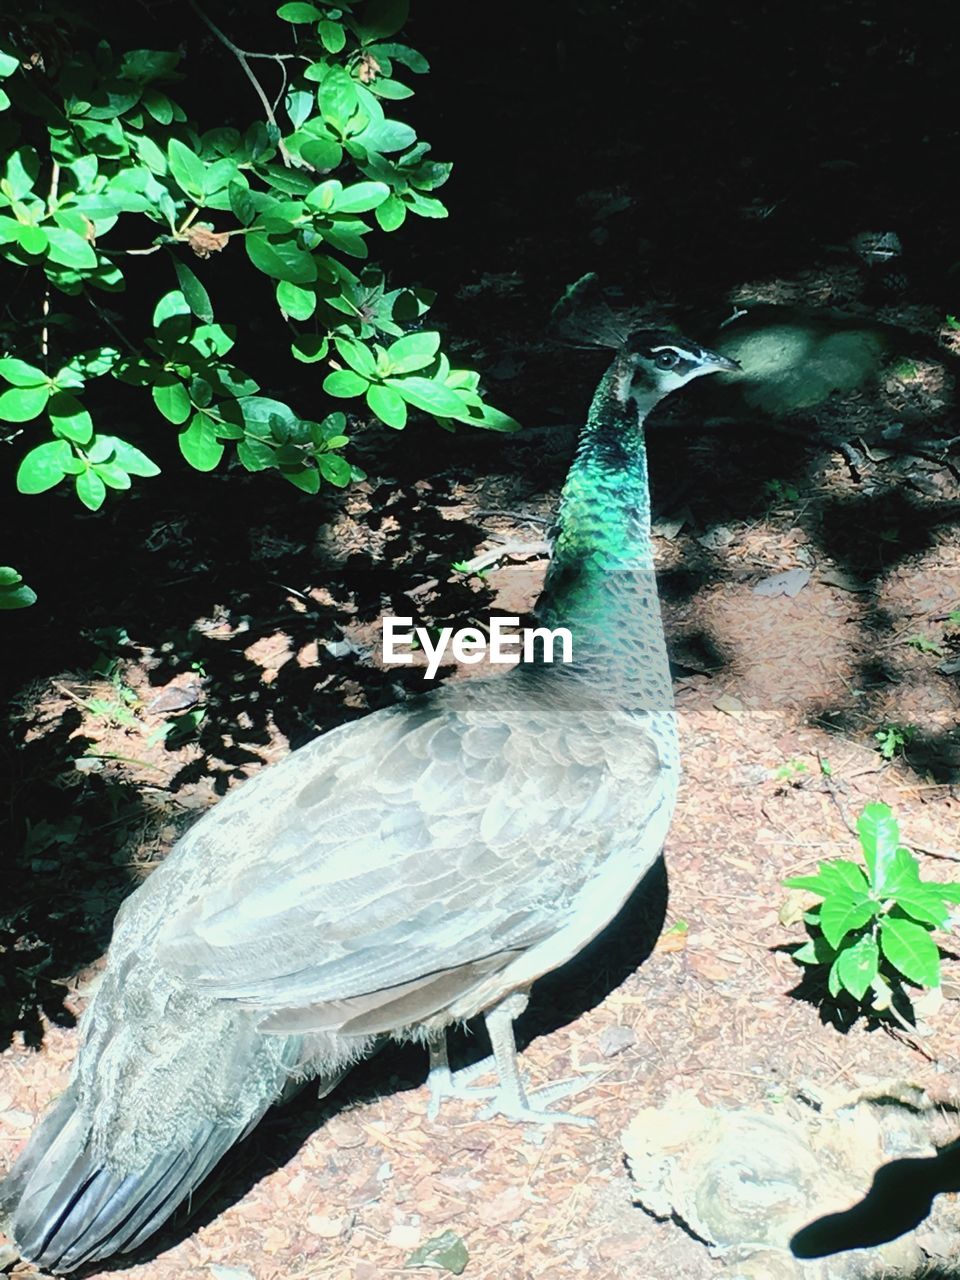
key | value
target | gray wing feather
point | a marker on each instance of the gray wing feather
(416, 842)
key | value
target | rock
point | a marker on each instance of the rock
(614, 1040)
(746, 1181)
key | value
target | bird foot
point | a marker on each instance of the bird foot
(531, 1107)
(444, 1083)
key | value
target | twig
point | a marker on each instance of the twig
(241, 57)
(484, 561)
(112, 327)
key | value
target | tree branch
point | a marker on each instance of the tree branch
(241, 56)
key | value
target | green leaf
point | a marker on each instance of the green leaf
(409, 58)
(310, 347)
(903, 873)
(159, 106)
(391, 214)
(834, 876)
(923, 903)
(361, 197)
(8, 64)
(91, 490)
(388, 405)
(382, 18)
(415, 351)
(69, 249)
(198, 300)
(242, 203)
(32, 240)
(14, 592)
(187, 169)
(295, 302)
(344, 382)
(357, 357)
(199, 443)
(337, 97)
(44, 467)
(20, 374)
(332, 35)
(911, 950)
(171, 306)
(282, 260)
(322, 153)
(70, 419)
(261, 416)
(493, 420)
(130, 458)
(299, 12)
(426, 206)
(21, 404)
(879, 838)
(334, 469)
(324, 197)
(213, 339)
(857, 966)
(393, 90)
(841, 914)
(817, 951)
(305, 478)
(171, 398)
(445, 1252)
(148, 64)
(391, 135)
(21, 172)
(432, 397)
(256, 455)
(113, 477)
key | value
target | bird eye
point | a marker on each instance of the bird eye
(666, 359)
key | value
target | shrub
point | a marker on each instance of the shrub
(102, 168)
(873, 928)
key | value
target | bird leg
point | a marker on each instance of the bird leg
(509, 1098)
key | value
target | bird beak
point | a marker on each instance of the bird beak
(713, 361)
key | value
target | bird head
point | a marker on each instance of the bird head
(651, 363)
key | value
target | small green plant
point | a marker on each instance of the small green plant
(893, 739)
(874, 925)
(826, 768)
(463, 566)
(178, 730)
(791, 770)
(14, 592)
(781, 492)
(923, 644)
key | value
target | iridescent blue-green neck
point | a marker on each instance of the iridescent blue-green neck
(601, 581)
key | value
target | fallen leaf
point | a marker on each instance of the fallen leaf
(326, 1228)
(614, 1040)
(716, 539)
(789, 583)
(445, 1252)
(730, 706)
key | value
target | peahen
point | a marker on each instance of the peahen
(395, 875)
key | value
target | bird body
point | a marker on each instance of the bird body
(398, 874)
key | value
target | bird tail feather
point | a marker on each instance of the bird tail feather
(64, 1206)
